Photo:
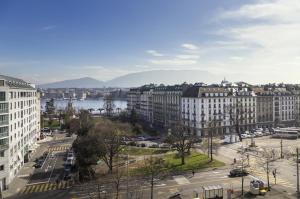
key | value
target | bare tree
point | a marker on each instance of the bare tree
(111, 134)
(237, 115)
(182, 139)
(212, 128)
(117, 181)
(108, 105)
(153, 167)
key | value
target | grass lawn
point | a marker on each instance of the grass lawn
(172, 164)
(194, 161)
(55, 124)
(131, 150)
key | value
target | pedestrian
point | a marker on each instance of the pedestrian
(193, 173)
(234, 160)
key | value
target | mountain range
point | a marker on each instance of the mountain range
(167, 77)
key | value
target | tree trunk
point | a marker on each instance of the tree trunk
(182, 158)
(110, 163)
(152, 186)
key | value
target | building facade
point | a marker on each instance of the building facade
(218, 108)
(167, 105)
(264, 109)
(226, 107)
(206, 107)
(19, 125)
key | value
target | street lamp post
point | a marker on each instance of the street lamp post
(1, 197)
(127, 165)
(297, 173)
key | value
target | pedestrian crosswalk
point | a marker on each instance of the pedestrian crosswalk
(58, 148)
(258, 171)
(45, 187)
(181, 180)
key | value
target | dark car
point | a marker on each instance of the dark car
(238, 173)
(38, 164)
(67, 177)
(45, 154)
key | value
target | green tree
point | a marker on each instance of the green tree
(85, 122)
(88, 150)
(74, 126)
(133, 117)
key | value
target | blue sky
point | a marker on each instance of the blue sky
(46, 41)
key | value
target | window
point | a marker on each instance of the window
(1, 153)
(1, 167)
(2, 96)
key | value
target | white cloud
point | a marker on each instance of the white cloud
(96, 67)
(174, 62)
(271, 10)
(50, 27)
(187, 56)
(261, 39)
(189, 46)
(236, 58)
(154, 53)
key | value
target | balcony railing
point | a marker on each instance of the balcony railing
(4, 122)
(4, 146)
(4, 134)
(3, 111)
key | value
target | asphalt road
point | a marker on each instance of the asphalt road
(53, 167)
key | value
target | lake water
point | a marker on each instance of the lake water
(85, 104)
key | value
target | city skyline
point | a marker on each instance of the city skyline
(250, 40)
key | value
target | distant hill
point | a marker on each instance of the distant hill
(166, 77)
(85, 82)
(163, 77)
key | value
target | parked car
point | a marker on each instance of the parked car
(67, 177)
(244, 136)
(266, 132)
(39, 163)
(238, 172)
(258, 133)
(68, 168)
(164, 145)
(69, 135)
(51, 155)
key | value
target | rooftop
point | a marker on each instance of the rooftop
(15, 82)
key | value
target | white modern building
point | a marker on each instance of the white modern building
(19, 125)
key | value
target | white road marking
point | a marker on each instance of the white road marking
(21, 176)
(52, 170)
(160, 185)
(181, 180)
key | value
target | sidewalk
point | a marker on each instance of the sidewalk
(26, 171)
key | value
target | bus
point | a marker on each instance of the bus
(285, 133)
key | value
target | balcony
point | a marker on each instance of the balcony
(4, 144)
(3, 111)
(4, 122)
(3, 135)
